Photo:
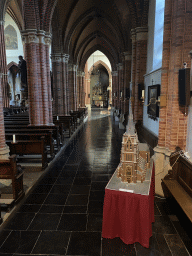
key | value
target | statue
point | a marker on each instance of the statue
(23, 71)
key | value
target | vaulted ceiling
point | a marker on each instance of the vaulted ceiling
(80, 27)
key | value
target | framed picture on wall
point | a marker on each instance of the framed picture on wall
(153, 108)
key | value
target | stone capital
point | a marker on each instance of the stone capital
(66, 58)
(127, 55)
(141, 33)
(72, 67)
(56, 57)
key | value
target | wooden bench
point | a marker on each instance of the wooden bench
(67, 121)
(35, 129)
(10, 170)
(29, 148)
(178, 183)
(30, 135)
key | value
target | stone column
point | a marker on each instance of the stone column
(47, 46)
(141, 62)
(114, 87)
(83, 90)
(133, 68)
(31, 47)
(120, 86)
(66, 83)
(57, 83)
(127, 78)
(3, 66)
(72, 72)
(173, 118)
(79, 84)
(4, 149)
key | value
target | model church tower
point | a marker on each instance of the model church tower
(135, 156)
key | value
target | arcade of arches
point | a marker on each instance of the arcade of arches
(127, 33)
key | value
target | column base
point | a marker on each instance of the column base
(162, 165)
(4, 153)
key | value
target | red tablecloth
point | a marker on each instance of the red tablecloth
(128, 215)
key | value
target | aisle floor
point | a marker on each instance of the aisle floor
(63, 214)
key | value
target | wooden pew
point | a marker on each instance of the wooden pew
(178, 183)
(67, 121)
(10, 170)
(30, 135)
(30, 147)
(35, 129)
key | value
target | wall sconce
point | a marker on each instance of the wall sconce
(143, 96)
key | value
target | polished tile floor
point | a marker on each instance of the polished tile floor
(63, 214)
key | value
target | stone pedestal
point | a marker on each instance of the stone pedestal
(4, 153)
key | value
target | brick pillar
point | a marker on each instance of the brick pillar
(127, 78)
(57, 83)
(83, 90)
(79, 84)
(3, 66)
(177, 43)
(66, 83)
(4, 149)
(120, 86)
(72, 73)
(47, 46)
(37, 72)
(141, 61)
(114, 87)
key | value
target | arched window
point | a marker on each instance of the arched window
(158, 34)
(11, 41)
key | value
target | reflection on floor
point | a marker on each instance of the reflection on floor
(63, 214)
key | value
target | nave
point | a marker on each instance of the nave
(63, 214)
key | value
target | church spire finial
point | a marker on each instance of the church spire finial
(130, 128)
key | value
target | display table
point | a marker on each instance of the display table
(129, 215)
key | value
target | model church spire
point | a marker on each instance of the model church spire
(130, 128)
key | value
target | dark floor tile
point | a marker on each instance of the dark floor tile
(176, 245)
(36, 199)
(51, 209)
(45, 222)
(82, 181)
(52, 242)
(164, 208)
(97, 195)
(156, 210)
(77, 200)
(64, 181)
(30, 208)
(163, 247)
(85, 243)
(153, 249)
(99, 177)
(56, 199)
(44, 189)
(95, 207)
(70, 168)
(99, 185)
(3, 235)
(75, 209)
(60, 189)
(163, 225)
(20, 242)
(20, 221)
(73, 222)
(84, 174)
(94, 222)
(80, 189)
(67, 173)
(114, 247)
(47, 181)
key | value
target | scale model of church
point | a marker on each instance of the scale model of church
(135, 156)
